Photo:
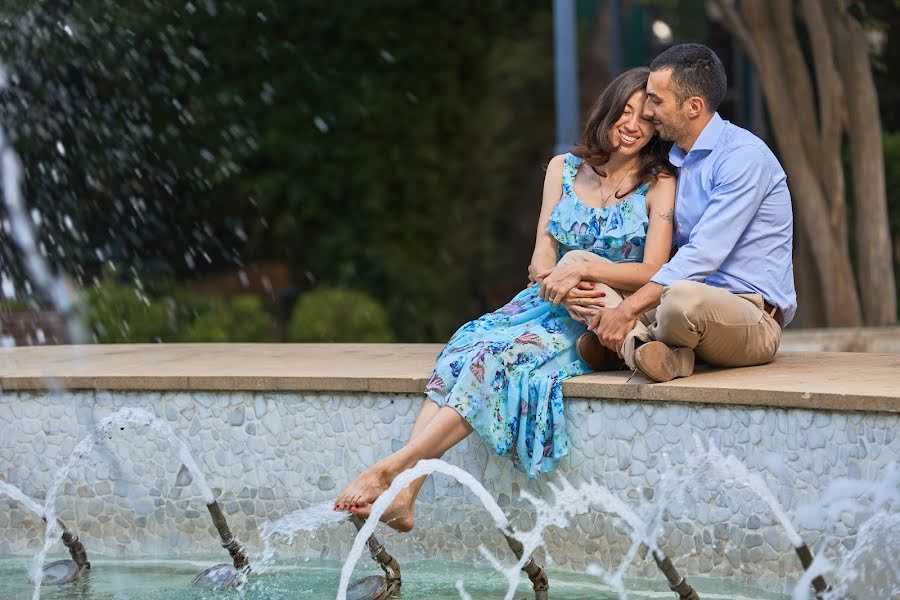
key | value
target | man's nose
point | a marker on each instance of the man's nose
(648, 110)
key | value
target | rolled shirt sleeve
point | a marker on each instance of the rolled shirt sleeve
(741, 182)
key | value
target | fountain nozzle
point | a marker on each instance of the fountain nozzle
(677, 583)
(64, 571)
(806, 559)
(235, 550)
(539, 581)
(76, 549)
(375, 587)
(219, 576)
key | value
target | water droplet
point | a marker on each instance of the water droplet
(320, 124)
(7, 286)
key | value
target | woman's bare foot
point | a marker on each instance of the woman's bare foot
(399, 514)
(363, 490)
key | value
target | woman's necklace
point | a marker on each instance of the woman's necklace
(615, 191)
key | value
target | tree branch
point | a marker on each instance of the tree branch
(831, 100)
(735, 25)
(799, 82)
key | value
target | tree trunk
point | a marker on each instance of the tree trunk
(772, 45)
(872, 227)
(838, 293)
(810, 311)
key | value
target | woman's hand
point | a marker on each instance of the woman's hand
(534, 271)
(583, 301)
(557, 282)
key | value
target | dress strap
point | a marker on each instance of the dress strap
(570, 169)
(642, 189)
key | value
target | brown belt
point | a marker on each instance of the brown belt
(774, 312)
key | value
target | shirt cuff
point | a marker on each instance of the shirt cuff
(666, 276)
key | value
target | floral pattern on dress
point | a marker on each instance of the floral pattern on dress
(616, 232)
(503, 371)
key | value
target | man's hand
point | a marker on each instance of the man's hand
(612, 326)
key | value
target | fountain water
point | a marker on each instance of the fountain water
(427, 467)
(216, 576)
(703, 463)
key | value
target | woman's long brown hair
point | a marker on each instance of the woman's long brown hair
(594, 145)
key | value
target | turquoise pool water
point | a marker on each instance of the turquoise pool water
(308, 580)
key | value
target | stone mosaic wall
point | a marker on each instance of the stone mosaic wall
(268, 454)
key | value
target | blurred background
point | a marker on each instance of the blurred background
(293, 170)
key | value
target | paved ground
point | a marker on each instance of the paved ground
(836, 381)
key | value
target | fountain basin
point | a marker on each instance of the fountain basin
(145, 579)
(280, 427)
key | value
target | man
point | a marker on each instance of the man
(729, 290)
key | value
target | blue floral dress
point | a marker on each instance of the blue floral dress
(503, 372)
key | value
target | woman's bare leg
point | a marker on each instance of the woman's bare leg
(431, 437)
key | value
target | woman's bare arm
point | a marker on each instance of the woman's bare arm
(544, 255)
(631, 276)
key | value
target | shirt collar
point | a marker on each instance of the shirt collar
(705, 141)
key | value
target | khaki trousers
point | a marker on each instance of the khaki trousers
(723, 329)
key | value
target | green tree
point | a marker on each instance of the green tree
(375, 146)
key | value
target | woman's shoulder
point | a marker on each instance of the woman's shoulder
(664, 183)
(561, 160)
(556, 163)
(661, 189)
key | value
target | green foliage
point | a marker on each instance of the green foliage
(121, 313)
(382, 146)
(339, 315)
(241, 319)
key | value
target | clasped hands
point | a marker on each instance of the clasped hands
(565, 285)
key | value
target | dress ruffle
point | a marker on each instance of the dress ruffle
(616, 232)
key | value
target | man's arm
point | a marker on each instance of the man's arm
(741, 183)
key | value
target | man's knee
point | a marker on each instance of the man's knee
(682, 299)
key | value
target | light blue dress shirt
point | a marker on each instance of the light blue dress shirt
(733, 220)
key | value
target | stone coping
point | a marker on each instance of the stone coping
(812, 380)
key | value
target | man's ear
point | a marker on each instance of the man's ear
(696, 106)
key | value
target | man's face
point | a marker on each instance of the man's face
(663, 109)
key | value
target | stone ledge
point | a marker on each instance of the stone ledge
(825, 381)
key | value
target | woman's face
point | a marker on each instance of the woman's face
(632, 131)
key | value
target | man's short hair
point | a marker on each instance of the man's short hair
(696, 71)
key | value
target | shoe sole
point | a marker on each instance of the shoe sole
(658, 362)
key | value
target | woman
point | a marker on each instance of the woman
(606, 217)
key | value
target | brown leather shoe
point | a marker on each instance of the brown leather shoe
(597, 356)
(659, 363)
